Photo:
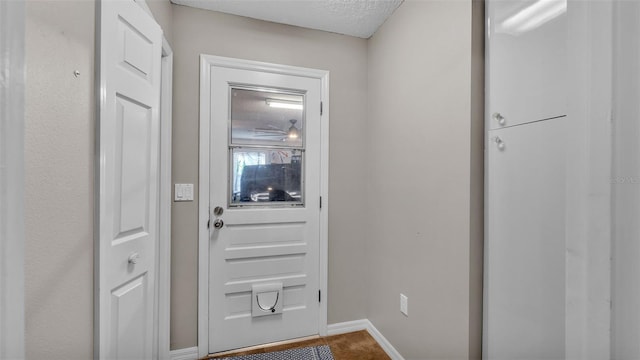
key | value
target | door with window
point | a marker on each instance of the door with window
(264, 207)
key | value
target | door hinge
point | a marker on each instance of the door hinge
(319, 295)
(320, 108)
(320, 202)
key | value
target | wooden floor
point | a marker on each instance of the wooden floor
(357, 345)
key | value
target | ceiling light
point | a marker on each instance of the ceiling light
(283, 104)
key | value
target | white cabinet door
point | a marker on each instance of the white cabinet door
(524, 315)
(526, 61)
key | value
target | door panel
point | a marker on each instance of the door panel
(527, 61)
(525, 245)
(128, 137)
(266, 238)
(133, 169)
(128, 321)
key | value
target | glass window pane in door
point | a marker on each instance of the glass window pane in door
(266, 176)
(266, 117)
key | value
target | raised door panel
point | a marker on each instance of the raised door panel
(133, 171)
(129, 324)
(526, 61)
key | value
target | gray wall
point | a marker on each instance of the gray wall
(197, 32)
(59, 140)
(59, 166)
(163, 13)
(415, 72)
(425, 113)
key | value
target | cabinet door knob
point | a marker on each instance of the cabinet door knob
(499, 118)
(500, 143)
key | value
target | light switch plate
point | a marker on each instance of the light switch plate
(183, 192)
(404, 304)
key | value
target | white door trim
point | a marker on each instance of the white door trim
(12, 66)
(164, 245)
(163, 336)
(206, 62)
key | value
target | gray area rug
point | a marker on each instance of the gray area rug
(322, 352)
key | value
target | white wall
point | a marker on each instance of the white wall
(420, 129)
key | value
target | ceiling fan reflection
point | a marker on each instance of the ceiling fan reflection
(292, 133)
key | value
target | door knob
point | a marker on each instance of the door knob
(133, 258)
(500, 143)
(499, 118)
(218, 223)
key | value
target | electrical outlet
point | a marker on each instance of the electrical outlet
(404, 304)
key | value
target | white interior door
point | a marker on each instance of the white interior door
(130, 55)
(265, 207)
(524, 300)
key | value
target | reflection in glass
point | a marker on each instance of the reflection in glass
(266, 118)
(266, 176)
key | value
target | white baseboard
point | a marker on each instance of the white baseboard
(348, 326)
(185, 354)
(365, 324)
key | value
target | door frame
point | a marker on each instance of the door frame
(164, 245)
(206, 63)
(12, 94)
(161, 339)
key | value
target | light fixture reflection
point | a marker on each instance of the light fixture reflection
(283, 104)
(533, 16)
(293, 132)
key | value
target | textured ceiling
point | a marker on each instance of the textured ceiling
(359, 18)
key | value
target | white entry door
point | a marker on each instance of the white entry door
(265, 207)
(128, 137)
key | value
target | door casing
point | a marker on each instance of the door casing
(163, 268)
(206, 63)
(163, 271)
